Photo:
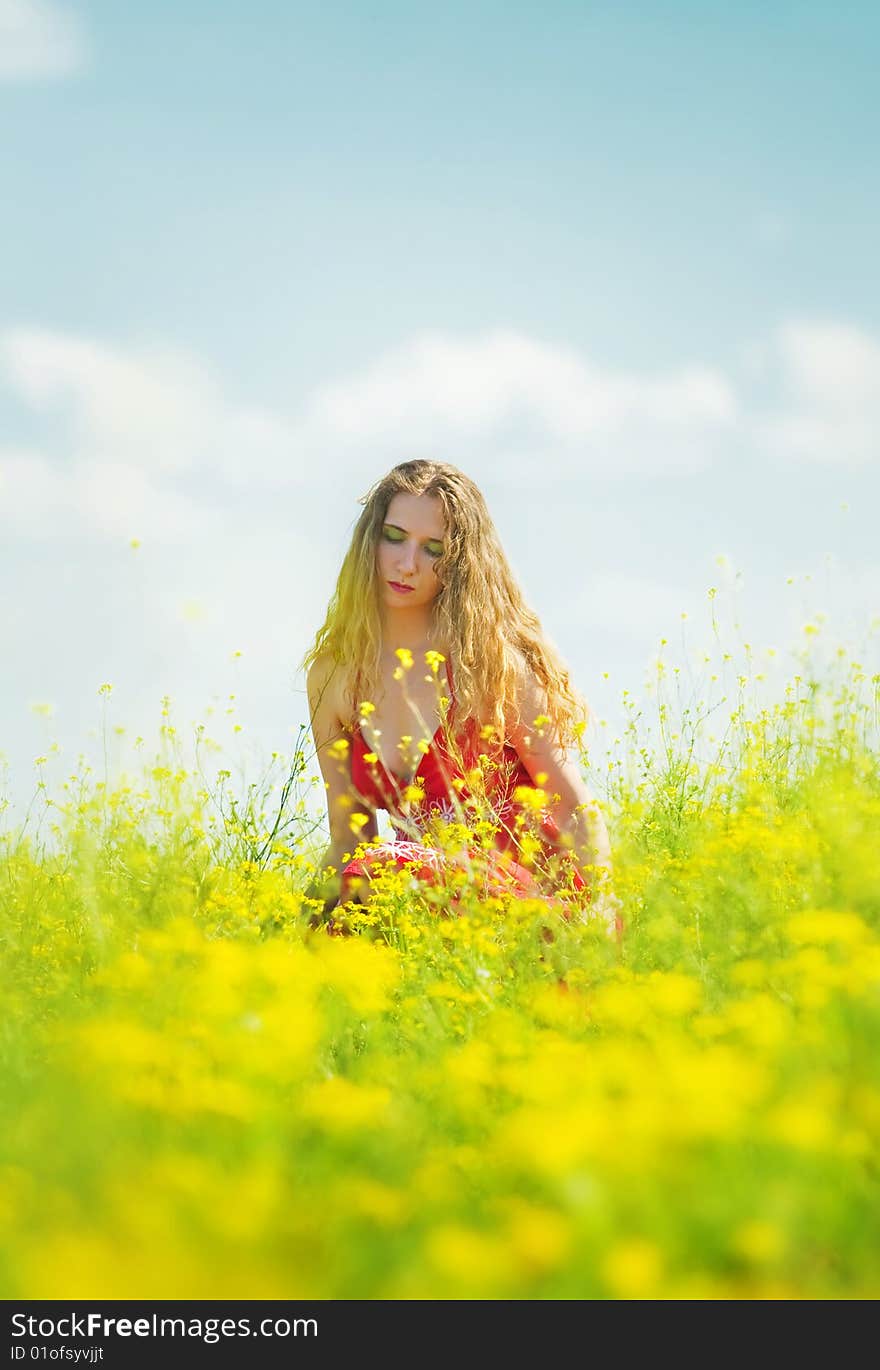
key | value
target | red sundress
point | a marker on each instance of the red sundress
(500, 871)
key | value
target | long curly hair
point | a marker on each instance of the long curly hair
(479, 611)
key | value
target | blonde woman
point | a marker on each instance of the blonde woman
(435, 695)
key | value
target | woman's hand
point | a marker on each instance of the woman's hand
(331, 921)
(322, 916)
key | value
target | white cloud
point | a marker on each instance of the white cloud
(505, 389)
(30, 491)
(828, 379)
(122, 501)
(39, 38)
(133, 424)
(503, 397)
(157, 408)
(42, 499)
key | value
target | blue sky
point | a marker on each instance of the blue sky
(618, 262)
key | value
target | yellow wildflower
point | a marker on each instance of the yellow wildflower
(474, 1260)
(530, 847)
(540, 1239)
(759, 1241)
(633, 1268)
(828, 925)
(342, 1105)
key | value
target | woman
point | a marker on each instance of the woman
(425, 584)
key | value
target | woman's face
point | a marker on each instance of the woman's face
(410, 544)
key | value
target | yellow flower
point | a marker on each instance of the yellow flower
(534, 799)
(339, 749)
(673, 994)
(803, 1124)
(341, 1105)
(357, 821)
(633, 1268)
(828, 925)
(365, 973)
(377, 1202)
(478, 1261)
(371, 758)
(433, 660)
(530, 847)
(759, 1241)
(366, 708)
(539, 1238)
(404, 656)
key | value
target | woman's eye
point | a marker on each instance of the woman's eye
(433, 549)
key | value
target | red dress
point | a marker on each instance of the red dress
(499, 870)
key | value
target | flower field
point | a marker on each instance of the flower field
(205, 1098)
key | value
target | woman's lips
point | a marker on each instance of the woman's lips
(401, 589)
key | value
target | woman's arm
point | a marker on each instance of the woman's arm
(333, 749)
(581, 824)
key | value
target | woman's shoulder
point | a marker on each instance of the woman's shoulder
(321, 669)
(324, 684)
